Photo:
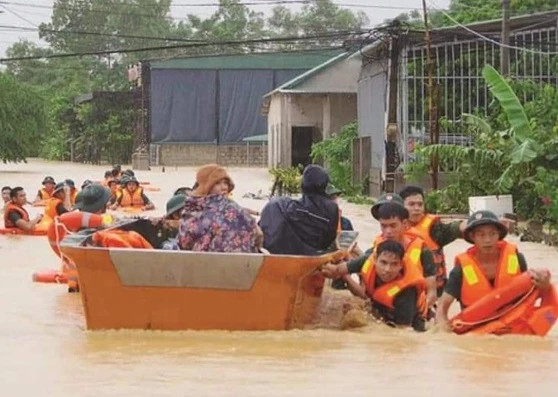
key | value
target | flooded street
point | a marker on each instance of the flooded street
(46, 351)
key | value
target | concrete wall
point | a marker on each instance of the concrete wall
(252, 155)
(343, 110)
(275, 130)
(341, 77)
(327, 113)
(306, 110)
(372, 108)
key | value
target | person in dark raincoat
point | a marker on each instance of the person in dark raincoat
(307, 226)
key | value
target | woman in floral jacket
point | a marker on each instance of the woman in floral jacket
(212, 222)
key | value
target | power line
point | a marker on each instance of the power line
(42, 66)
(17, 15)
(486, 38)
(86, 33)
(332, 35)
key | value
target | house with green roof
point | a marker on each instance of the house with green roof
(206, 108)
(309, 108)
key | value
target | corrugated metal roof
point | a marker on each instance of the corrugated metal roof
(275, 60)
(538, 20)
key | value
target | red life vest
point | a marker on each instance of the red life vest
(11, 207)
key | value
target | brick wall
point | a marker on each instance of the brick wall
(253, 155)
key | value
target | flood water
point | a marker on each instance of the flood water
(46, 350)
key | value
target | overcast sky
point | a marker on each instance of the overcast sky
(31, 13)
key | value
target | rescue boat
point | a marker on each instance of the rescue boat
(518, 308)
(180, 290)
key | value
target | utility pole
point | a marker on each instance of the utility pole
(432, 100)
(504, 49)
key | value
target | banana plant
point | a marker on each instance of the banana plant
(503, 151)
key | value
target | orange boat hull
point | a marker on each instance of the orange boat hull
(179, 290)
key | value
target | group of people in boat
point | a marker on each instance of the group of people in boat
(403, 274)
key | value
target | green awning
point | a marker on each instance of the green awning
(256, 138)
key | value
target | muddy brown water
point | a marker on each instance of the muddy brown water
(46, 351)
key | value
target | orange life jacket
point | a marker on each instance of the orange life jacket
(44, 194)
(116, 194)
(475, 285)
(11, 207)
(134, 200)
(386, 293)
(120, 239)
(412, 252)
(422, 230)
(50, 208)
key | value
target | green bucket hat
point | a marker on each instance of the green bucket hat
(70, 183)
(92, 198)
(176, 203)
(384, 199)
(480, 218)
(124, 181)
(130, 179)
(332, 190)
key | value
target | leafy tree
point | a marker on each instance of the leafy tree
(22, 119)
(468, 11)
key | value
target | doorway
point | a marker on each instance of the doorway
(301, 145)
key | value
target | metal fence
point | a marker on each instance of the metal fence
(458, 72)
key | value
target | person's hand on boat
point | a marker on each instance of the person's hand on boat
(330, 270)
(540, 278)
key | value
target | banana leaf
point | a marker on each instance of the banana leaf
(477, 122)
(510, 103)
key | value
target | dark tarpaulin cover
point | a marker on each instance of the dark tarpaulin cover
(240, 98)
(282, 76)
(183, 105)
